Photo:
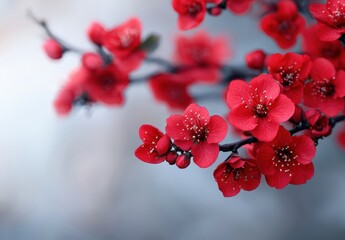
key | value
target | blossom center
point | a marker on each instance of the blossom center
(323, 89)
(107, 82)
(260, 111)
(194, 9)
(285, 154)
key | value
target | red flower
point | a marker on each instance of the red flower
(106, 84)
(326, 91)
(155, 145)
(171, 89)
(236, 174)
(286, 159)
(202, 55)
(284, 24)
(256, 59)
(124, 42)
(331, 19)
(258, 106)
(315, 48)
(197, 131)
(318, 123)
(239, 6)
(291, 70)
(191, 12)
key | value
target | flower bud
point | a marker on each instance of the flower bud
(53, 49)
(95, 33)
(182, 161)
(216, 11)
(171, 158)
(92, 61)
(256, 59)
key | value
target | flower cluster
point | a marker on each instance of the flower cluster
(280, 104)
(104, 73)
(195, 133)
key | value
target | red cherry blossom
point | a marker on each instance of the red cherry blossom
(53, 49)
(286, 159)
(106, 84)
(155, 147)
(191, 12)
(171, 89)
(331, 19)
(258, 106)
(318, 124)
(256, 59)
(326, 90)
(124, 42)
(199, 132)
(315, 48)
(202, 55)
(236, 174)
(239, 6)
(291, 70)
(284, 24)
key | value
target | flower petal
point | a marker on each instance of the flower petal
(205, 154)
(217, 128)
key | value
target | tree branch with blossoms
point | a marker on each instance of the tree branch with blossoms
(280, 104)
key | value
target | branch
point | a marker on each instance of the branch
(43, 24)
(233, 147)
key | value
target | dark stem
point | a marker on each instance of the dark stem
(42, 23)
(233, 147)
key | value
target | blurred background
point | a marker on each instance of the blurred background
(77, 178)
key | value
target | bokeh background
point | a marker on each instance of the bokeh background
(77, 178)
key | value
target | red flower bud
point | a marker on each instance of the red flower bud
(95, 33)
(182, 161)
(92, 61)
(171, 158)
(256, 59)
(216, 11)
(53, 49)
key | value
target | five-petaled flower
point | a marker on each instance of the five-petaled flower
(326, 90)
(291, 70)
(199, 132)
(106, 84)
(124, 42)
(286, 159)
(315, 48)
(155, 147)
(201, 55)
(331, 19)
(235, 174)
(258, 106)
(284, 24)
(172, 89)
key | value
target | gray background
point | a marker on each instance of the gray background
(76, 177)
